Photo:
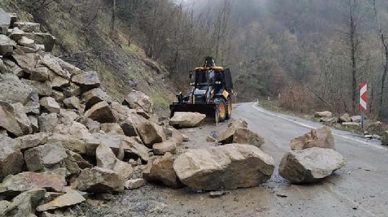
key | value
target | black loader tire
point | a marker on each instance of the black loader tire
(229, 108)
(221, 109)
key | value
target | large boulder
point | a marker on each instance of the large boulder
(324, 114)
(8, 121)
(132, 147)
(47, 122)
(321, 138)
(164, 147)
(6, 45)
(87, 80)
(139, 100)
(28, 26)
(32, 140)
(187, 119)
(25, 204)
(225, 167)
(27, 61)
(12, 90)
(68, 142)
(11, 158)
(130, 124)
(41, 88)
(108, 160)
(121, 112)
(310, 165)
(53, 181)
(160, 169)
(112, 128)
(95, 96)
(151, 133)
(72, 103)
(46, 157)
(101, 112)
(238, 132)
(70, 198)
(345, 118)
(100, 180)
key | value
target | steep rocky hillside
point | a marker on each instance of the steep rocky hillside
(86, 39)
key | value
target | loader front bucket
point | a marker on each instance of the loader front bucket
(208, 109)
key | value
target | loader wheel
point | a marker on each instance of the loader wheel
(229, 109)
(221, 109)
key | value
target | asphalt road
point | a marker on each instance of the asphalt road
(359, 189)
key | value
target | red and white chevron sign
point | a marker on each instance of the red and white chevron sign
(363, 96)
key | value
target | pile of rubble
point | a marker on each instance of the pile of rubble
(62, 138)
(375, 130)
(236, 163)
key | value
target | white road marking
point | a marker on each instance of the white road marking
(311, 127)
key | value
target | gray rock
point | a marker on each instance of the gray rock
(310, 165)
(95, 96)
(40, 74)
(68, 142)
(160, 169)
(135, 183)
(356, 119)
(164, 147)
(113, 141)
(46, 157)
(101, 112)
(53, 181)
(50, 105)
(41, 88)
(121, 112)
(130, 124)
(87, 80)
(58, 96)
(107, 159)
(25, 203)
(28, 26)
(93, 126)
(99, 180)
(18, 110)
(12, 67)
(132, 146)
(52, 63)
(47, 122)
(72, 103)
(8, 121)
(34, 123)
(26, 42)
(187, 119)
(75, 129)
(224, 167)
(112, 128)
(139, 100)
(12, 90)
(324, 114)
(321, 138)
(6, 45)
(345, 118)
(27, 61)
(32, 140)
(70, 198)
(11, 159)
(5, 21)
(71, 90)
(151, 133)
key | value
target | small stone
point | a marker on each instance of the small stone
(101, 112)
(135, 183)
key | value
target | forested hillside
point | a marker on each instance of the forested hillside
(312, 53)
(309, 54)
